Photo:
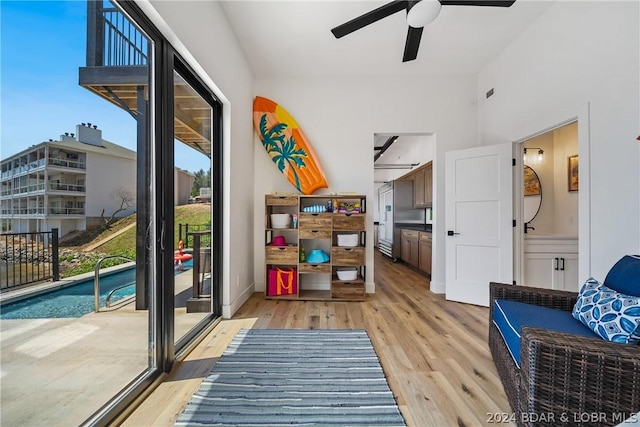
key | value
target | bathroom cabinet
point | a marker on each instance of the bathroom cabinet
(551, 262)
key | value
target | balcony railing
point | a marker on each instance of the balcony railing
(23, 211)
(56, 186)
(66, 211)
(26, 189)
(35, 188)
(71, 164)
(21, 169)
(113, 39)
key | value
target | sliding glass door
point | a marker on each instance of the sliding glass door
(139, 159)
(194, 145)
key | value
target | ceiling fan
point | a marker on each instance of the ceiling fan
(419, 14)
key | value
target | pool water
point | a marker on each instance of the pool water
(74, 300)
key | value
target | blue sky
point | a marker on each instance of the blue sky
(42, 45)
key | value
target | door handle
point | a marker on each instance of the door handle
(162, 236)
(556, 264)
(451, 233)
(562, 268)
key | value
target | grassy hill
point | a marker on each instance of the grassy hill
(80, 253)
(198, 213)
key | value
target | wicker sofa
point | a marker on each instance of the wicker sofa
(565, 378)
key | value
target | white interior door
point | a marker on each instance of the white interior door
(479, 219)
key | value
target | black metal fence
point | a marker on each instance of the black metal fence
(201, 288)
(187, 239)
(28, 258)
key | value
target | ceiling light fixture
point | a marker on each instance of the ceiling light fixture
(540, 153)
(423, 13)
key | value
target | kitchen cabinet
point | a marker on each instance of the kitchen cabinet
(416, 249)
(428, 185)
(424, 251)
(410, 249)
(422, 179)
(340, 234)
(551, 262)
(419, 188)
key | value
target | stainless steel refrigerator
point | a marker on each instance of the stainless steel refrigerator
(395, 201)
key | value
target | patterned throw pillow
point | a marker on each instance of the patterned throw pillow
(610, 314)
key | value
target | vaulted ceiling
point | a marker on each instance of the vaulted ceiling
(293, 38)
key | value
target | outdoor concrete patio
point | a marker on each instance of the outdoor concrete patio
(58, 372)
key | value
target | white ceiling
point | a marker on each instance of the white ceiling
(407, 149)
(293, 38)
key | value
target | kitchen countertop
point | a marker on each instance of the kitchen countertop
(415, 227)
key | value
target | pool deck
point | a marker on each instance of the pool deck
(57, 372)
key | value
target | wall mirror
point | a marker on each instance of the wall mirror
(532, 194)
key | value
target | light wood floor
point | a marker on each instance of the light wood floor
(434, 352)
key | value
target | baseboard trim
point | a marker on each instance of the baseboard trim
(228, 310)
(438, 288)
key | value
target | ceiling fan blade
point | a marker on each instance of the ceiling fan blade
(369, 18)
(495, 3)
(412, 44)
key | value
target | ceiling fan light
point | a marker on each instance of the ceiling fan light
(423, 12)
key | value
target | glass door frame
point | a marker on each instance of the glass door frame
(182, 68)
(156, 216)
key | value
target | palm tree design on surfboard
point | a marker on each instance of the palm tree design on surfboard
(287, 146)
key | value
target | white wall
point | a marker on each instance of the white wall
(579, 59)
(340, 116)
(566, 211)
(201, 34)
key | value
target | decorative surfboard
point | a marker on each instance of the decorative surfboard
(287, 146)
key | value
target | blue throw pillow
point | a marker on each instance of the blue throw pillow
(612, 315)
(624, 276)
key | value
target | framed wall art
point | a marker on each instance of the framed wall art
(574, 176)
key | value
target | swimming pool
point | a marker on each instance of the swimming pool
(71, 301)
(74, 300)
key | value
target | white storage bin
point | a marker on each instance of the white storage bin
(347, 240)
(347, 274)
(281, 220)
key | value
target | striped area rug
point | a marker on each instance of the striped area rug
(289, 377)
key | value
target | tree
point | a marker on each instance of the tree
(126, 200)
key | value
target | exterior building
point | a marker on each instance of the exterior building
(66, 184)
(183, 183)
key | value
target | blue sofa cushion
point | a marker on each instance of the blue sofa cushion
(624, 276)
(612, 315)
(510, 316)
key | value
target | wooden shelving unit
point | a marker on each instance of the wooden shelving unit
(323, 223)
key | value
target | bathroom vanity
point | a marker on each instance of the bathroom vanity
(551, 261)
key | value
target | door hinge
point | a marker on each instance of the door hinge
(513, 162)
(514, 222)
